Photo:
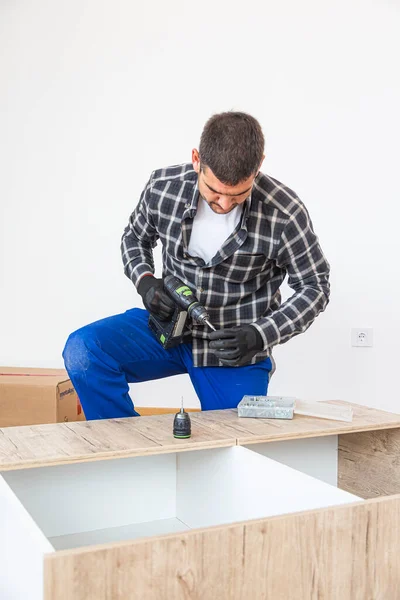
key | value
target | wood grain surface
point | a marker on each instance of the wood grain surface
(341, 553)
(369, 463)
(65, 443)
(252, 431)
(60, 443)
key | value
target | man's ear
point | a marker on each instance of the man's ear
(196, 160)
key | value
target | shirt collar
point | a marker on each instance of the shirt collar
(192, 203)
(246, 209)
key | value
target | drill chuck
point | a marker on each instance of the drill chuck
(198, 313)
(182, 425)
(186, 300)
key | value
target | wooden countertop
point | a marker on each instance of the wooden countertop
(63, 443)
(252, 431)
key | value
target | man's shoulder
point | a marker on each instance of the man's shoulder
(175, 173)
(275, 195)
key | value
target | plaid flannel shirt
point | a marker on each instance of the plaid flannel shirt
(274, 238)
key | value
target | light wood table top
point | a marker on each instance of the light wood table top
(251, 431)
(63, 443)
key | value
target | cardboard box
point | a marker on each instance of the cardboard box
(34, 396)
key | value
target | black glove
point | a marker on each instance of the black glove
(236, 347)
(155, 298)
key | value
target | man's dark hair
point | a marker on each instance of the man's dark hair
(232, 146)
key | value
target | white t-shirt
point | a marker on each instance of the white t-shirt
(210, 230)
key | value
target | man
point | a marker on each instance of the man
(232, 234)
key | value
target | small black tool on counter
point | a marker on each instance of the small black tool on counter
(182, 425)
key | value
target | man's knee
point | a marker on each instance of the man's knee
(76, 353)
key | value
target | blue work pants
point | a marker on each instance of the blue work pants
(106, 356)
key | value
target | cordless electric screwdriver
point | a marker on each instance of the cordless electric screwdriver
(169, 333)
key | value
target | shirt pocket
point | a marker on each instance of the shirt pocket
(242, 267)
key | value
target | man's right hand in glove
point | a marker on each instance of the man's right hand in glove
(155, 298)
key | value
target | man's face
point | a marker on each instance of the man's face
(220, 198)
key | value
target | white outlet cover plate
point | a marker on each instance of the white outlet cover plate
(362, 337)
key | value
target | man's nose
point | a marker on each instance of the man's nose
(225, 202)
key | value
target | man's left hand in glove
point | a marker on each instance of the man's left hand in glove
(236, 347)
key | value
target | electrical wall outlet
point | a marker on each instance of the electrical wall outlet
(362, 338)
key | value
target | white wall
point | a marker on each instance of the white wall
(95, 95)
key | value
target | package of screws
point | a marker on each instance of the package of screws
(266, 407)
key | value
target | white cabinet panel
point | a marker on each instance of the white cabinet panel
(69, 499)
(22, 548)
(317, 457)
(70, 506)
(236, 484)
(118, 534)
